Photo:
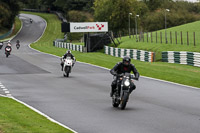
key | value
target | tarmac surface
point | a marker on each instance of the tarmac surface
(82, 101)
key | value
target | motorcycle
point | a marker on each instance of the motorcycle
(68, 64)
(31, 21)
(1, 45)
(7, 51)
(121, 98)
(17, 45)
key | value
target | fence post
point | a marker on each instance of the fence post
(171, 37)
(156, 37)
(176, 36)
(187, 38)
(194, 39)
(120, 34)
(143, 36)
(140, 38)
(181, 38)
(160, 37)
(147, 37)
(151, 38)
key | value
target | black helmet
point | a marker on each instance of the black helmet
(68, 51)
(126, 60)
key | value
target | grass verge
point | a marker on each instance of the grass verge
(17, 26)
(158, 47)
(183, 74)
(17, 118)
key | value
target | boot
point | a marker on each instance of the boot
(112, 92)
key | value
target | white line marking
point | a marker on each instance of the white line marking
(8, 95)
(36, 109)
(5, 89)
(39, 112)
(87, 64)
(7, 92)
(2, 95)
(2, 87)
(196, 88)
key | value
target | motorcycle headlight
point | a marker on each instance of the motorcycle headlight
(127, 83)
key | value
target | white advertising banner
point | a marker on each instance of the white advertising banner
(89, 27)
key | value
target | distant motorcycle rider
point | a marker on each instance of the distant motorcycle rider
(9, 46)
(67, 54)
(120, 68)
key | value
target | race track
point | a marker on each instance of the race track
(82, 101)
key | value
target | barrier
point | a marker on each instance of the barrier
(68, 46)
(132, 53)
(187, 58)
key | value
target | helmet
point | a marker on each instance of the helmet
(9, 41)
(68, 51)
(126, 61)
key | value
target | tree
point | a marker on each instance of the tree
(116, 12)
(9, 9)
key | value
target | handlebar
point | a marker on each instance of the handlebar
(121, 75)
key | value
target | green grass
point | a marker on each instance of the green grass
(187, 75)
(17, 26)
(17, 118)
(158, 47)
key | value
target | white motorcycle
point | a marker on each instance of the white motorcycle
(8, 51)
(68, 64)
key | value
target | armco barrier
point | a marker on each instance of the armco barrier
(68, 46)
(188, 58)
(132, 53)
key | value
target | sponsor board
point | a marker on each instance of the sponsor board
(89, 27)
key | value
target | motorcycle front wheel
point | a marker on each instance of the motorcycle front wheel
(115, 101)
(124, 100)
(7, 55)
(67, 70)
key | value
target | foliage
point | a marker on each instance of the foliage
(8, 10)
(79, 16)
(183, 74)
(116, 12)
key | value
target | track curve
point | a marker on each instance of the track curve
(82, 101)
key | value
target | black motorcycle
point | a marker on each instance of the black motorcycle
(7, 50)
(17, 45)
(31, 21)
(121, 95)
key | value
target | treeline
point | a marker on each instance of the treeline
(115, 12)
(151, 13)
(8, 10)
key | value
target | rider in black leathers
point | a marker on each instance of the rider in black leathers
(67, 54)
(123, 67)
